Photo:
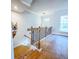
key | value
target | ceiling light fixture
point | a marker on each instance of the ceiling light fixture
(15, 7)
(44, 13)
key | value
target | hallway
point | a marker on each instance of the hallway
(53, 47)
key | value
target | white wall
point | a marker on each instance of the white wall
(24, 20)
(12, 49)
(55, 19)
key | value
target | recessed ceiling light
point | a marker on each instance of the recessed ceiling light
(15, 7)
(44, 13)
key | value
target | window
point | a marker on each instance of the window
(64, 24)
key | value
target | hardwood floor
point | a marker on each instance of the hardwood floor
(56, 45)
(53, 47)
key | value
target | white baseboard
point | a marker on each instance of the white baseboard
(61, 33)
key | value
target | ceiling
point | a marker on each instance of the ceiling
(39, 6)
(49, 5)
